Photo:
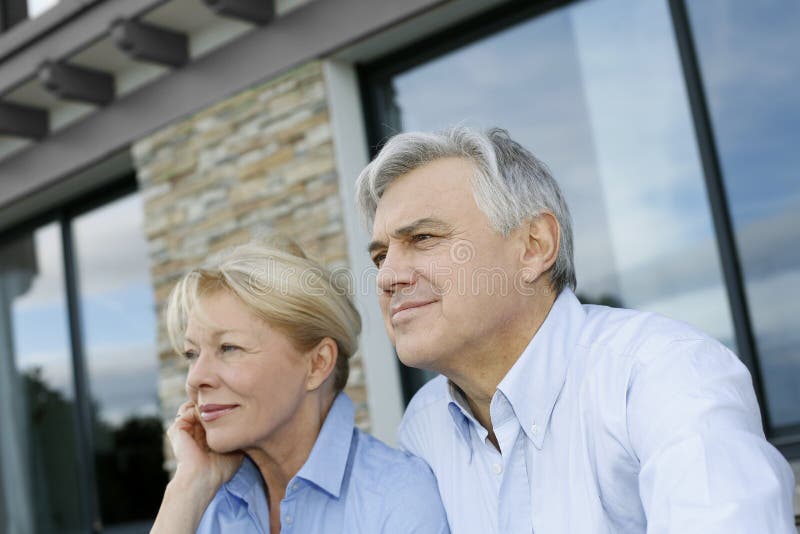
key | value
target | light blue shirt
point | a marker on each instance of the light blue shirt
(351, 483)
(611, 421)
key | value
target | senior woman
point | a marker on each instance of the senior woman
(266, 442)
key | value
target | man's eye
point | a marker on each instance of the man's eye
(421, 237)
(377, 259)
(228, 348)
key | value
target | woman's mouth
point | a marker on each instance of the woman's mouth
(212, 412)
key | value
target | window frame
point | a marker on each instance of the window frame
(12, 12)
(375, 83)
(64, 215)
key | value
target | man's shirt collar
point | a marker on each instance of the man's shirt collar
(533, 383)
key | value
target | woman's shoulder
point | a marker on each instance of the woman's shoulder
(398, 483)
(386, 467)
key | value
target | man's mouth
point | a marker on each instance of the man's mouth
(408, 309)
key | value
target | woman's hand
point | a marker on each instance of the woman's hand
(199, 474)
(194, 458)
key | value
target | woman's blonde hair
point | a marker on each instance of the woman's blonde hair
(290, 292)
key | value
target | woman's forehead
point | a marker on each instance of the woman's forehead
(221, 313)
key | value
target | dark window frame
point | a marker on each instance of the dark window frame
(12, 12)
(64, 215)
(375, 85)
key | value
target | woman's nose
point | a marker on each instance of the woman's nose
(202, 373)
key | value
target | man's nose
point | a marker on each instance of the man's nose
(396, 271)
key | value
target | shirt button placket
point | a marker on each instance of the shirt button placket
(288, 517)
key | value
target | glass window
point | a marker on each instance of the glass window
(119, 329)
(595, 90)
(37, 7)
(38, 452)
(46, 483)
(748, 56)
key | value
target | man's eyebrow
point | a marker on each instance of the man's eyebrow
(427, 223)
(375, 245)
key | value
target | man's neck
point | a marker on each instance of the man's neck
(482, 371)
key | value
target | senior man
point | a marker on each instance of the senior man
(551, 416)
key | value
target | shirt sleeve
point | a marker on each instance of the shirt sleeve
(706, 467)
(413, 504)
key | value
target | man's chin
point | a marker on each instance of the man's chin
(416, 357)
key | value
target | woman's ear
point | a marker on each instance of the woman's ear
(541, 245)
(322, 363)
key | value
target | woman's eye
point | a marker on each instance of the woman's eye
(228, 348)
(190, 355)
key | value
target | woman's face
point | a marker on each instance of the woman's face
(246, 379)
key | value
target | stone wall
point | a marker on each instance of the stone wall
(258, 162)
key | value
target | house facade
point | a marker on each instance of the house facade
(138, 137)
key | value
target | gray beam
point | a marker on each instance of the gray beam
(148, 42)
(71, 82)
(23, 121)
(255, 11)
(74, 29)
(259, 55)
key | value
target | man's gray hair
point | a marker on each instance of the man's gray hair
(510, 184)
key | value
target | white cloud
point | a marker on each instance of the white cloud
(37, 7)
(110, 248)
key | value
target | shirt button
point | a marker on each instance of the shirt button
(497, 469)
(295, 486)
(535, 429)
(288, 519)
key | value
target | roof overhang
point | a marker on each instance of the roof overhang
(115, 71)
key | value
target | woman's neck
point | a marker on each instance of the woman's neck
(282, 456)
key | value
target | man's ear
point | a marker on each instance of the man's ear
(542, 236)
(322, 363)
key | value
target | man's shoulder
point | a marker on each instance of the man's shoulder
(425, 418)
(638, 335)
(431, 397)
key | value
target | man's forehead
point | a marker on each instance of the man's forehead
(435, 194)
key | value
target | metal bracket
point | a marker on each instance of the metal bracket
(71, 82)
(254, 11)
(148, 42)
(23, 121)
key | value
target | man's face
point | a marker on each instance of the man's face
(446, 278)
